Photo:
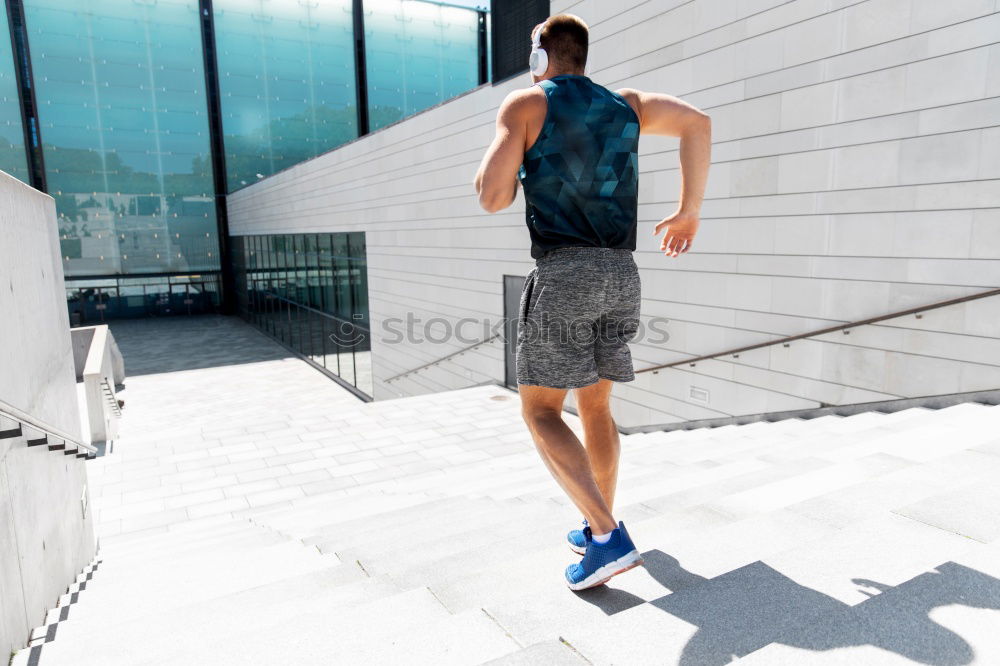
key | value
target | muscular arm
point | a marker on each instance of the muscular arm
(496, 180)
(664, 114)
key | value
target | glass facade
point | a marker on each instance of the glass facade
(123, 111)
(146, 113)
(418, 54)
(310, 292)
(286, 82)
(120, 91)
(13, 159)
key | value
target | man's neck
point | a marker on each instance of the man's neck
(558, 73)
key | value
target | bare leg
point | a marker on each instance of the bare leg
(600, 436)
(563, 453)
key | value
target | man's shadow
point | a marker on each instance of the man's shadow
(745, 609)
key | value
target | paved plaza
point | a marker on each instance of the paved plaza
(254, 512)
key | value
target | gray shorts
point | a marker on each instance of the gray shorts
(579, 309)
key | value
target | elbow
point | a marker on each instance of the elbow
(698, 127)
(490, 205)
(704, 123)
(492, 202)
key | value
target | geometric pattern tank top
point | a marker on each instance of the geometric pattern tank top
(580, 177)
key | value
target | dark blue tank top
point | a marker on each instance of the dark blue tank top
(580, 177)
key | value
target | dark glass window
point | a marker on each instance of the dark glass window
(511, 25)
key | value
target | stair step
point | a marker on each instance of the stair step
(196, 626)
(247, 537)
(360, 527)
(501, 522)
(138, 590)
(550, 653)
(386, 529)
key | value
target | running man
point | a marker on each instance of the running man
(572, 144)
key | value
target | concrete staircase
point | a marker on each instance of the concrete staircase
(872, 539)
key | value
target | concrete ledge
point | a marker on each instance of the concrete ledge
(99, 365)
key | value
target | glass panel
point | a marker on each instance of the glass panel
(300, 293)
(329, 280)
(331, 349)
(342, 276)
(316, 338)
(13, 159)
(359, 278)
(314, 298)
(121, 103)
(418, 54)
(278, 265)
(286, 79)
(362, 349)
(312, 271)
(132, 299)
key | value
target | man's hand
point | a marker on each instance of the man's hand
(660, 113)
(678, 233)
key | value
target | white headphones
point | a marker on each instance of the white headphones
(538, 61)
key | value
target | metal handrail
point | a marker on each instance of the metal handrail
(112, 398)
(319, 312)
(829, 329)
(445, 358)
(16, 414)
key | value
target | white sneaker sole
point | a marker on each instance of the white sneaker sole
(578, 550)
(605, 573)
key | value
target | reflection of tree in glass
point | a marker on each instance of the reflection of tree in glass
(293, 139)
(82, 170)
(12, 159)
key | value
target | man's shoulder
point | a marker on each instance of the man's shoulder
(523, 104)
(524, 98)
(632, 96)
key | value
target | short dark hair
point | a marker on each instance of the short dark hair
(566, 39)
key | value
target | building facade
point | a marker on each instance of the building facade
(138, 118)
(854, 175)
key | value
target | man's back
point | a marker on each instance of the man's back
(580, 176)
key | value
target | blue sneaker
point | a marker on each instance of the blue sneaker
(603, 560)
(578, 540)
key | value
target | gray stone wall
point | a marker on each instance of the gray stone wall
(45, 540)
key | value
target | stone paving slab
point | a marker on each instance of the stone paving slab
(802, 541)
(972, 511)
